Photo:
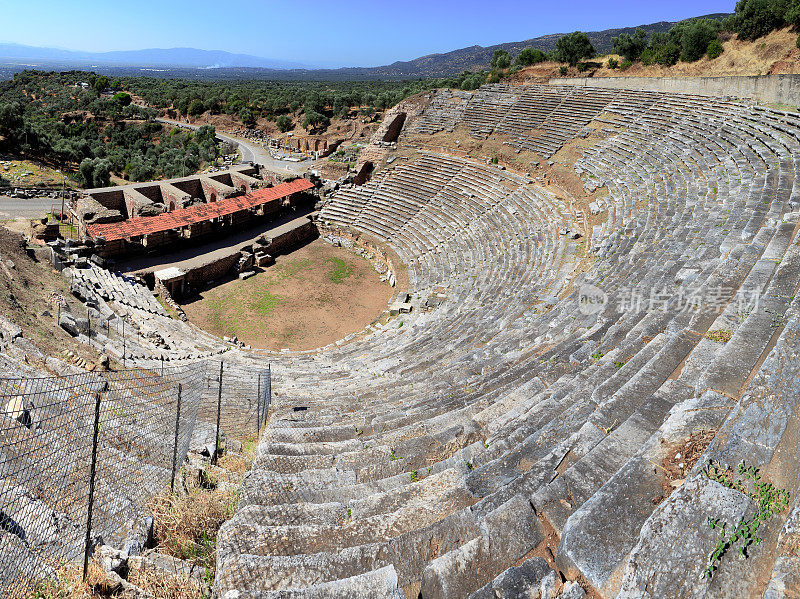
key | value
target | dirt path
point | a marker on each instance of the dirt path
(309, 298)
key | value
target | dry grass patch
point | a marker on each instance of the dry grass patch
(99, 586)
(185, 526)
(235, 463)
(166, 586)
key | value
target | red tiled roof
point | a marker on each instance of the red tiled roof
(181, 217)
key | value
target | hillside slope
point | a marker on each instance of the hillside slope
(772, 54)
(479, 57)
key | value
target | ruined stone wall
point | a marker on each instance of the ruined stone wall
(215, 270)
(349, 239)
(291, 239)
(113, 200)
(210, 192)
(413, 108)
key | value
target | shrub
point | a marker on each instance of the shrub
(695, 37)
(626, 64)
(714, 49)
(123, 98)
(571, 48)
(630, 46)
(284, 123)
(583, 67)
(501, 59)
(195, 107)
(612, 63)
(797, 43)
(531, 56)
(563, 70)
(756, 18)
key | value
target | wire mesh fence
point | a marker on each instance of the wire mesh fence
(81, 455)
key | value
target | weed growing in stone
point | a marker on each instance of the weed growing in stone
(719, 335)
(770, 501)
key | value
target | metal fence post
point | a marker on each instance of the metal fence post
(175, 446)
(259, 395)
(268, 394)
(123, 342)
(219, 413)
(92, 472)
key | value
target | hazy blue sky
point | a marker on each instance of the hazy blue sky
(329, 32)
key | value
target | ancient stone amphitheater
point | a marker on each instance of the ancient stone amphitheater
(540, 423)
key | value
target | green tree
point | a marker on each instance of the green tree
(714, 49)
(123, 98)
(756, 18)
(11, 119)
(500, 60)
(195, 107)
(102, 172)
(573, 47)
(284, 123)
(95, 172)
(612, 63)
(664, 49)
(100, 84)
(792, 15)
(86, 169)
(247, 117)
(630, 46)
(314, 119)
(206, 133)
(530, 56)
(695, 36)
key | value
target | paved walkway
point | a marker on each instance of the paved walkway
(251, 151)
(26, 208)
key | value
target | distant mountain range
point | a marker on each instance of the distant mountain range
(216, 64)
(152, 57)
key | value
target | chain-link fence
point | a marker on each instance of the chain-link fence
(81, 455)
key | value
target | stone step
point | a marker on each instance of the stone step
(580, 480)
(507, 534)
(599, 535)
(378, 584)
(409, 553)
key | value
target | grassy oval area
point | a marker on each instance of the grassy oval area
(309, 298)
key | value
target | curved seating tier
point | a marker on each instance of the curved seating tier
(443, 446)
(436, 453)
(538, 118)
